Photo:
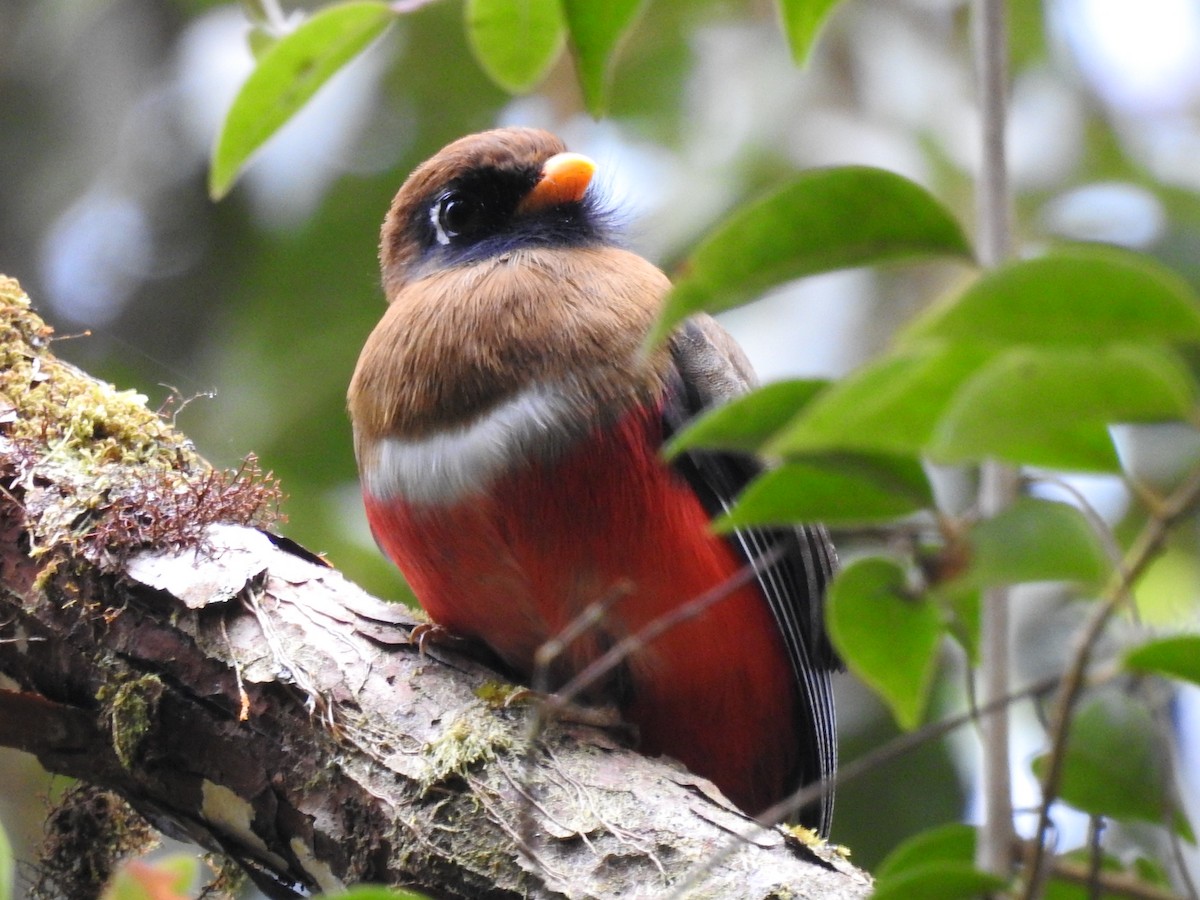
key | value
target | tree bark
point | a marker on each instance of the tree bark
(241, 694)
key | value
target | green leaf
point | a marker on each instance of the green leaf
(1173, 657)
(1114, 765)
(6, 866)
(1079, 296)
(822, 220)
(746, 422)
(946, 843)
(596, 30)
(375, 892)
(962, 606)
(890, 406)
(1151, 871)
(515, 41)
(887, 637)
(802, 21)
(1036, 540)
(286, 77)
(1052, 407)
(838, 490)
(939, 881)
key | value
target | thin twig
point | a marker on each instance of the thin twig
(1162, 721)
(868, 762)
(1091, 515)
(1095, 856)
(544, 660)
(1145, 547)
(1119, 884)
(592, 615)
(630, 644)
(243, 697)
(554, 704)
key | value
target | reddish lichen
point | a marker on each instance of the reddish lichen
(96, 472)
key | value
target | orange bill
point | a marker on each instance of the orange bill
(565, 179)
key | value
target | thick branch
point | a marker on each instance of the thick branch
(243, 695)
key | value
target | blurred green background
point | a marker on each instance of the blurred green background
(253, 310)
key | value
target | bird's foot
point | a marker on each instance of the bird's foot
(428, 634)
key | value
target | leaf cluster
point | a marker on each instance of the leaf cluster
(516, 42)
(1034, 363)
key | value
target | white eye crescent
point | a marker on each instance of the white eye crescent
(435, 217)
(456, 215)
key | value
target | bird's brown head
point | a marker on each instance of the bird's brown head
(488, 194)
(502, 274)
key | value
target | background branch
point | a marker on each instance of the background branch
(998, 482)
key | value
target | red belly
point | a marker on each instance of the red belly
(513, 567)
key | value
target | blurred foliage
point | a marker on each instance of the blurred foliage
(6, 866)
(288, 71)
(372, 892)
(169, 878)
(266, 298)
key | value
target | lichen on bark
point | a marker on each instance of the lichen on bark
(98, 473)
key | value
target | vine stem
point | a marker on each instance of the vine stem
(998, 483)
(1144, 549)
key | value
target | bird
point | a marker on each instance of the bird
(508, 428)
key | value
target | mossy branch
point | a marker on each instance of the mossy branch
(238, 692)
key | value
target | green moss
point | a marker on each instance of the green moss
(468, 740)
(97, 473)
(500, 695)
(132, 706)
(71, 415)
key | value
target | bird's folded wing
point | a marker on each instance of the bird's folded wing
(710, 368)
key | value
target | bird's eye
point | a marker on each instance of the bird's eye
(455, 215)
